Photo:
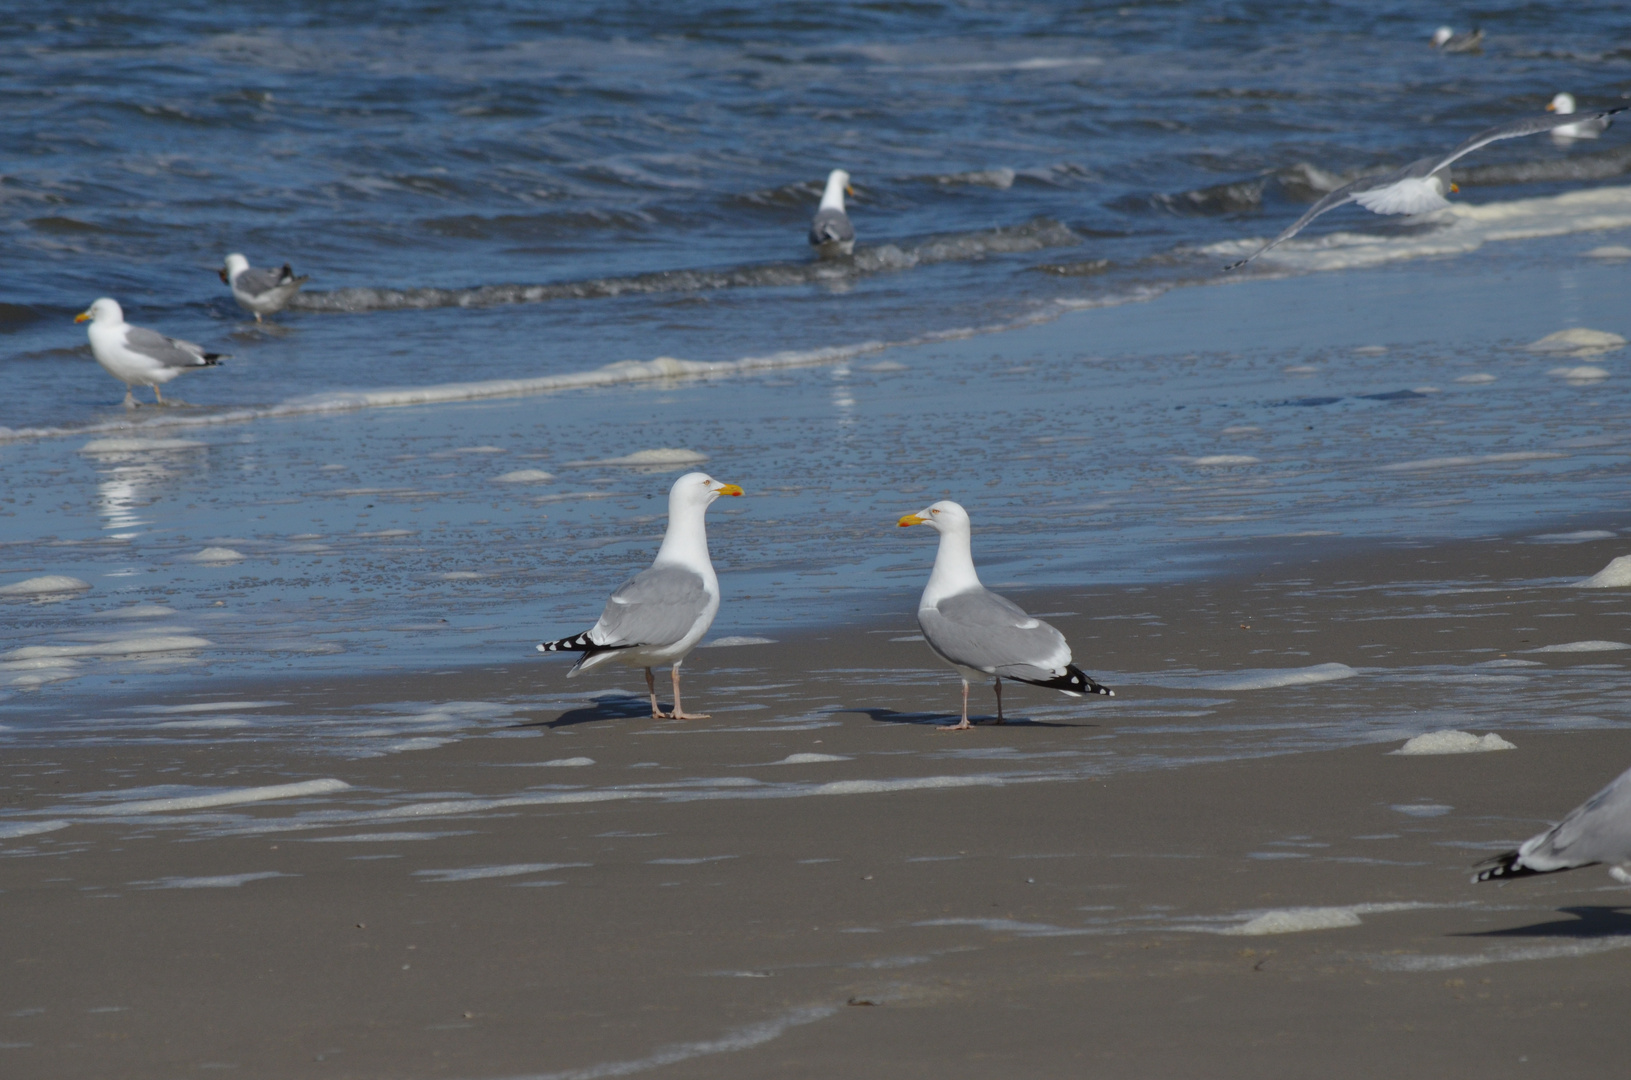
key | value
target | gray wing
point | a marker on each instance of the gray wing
(658, 606)
(171, 352)
(1596, 831)
(831, 226)
(1513, 129)
(987, 632)
(256, 281)
(1341, 196)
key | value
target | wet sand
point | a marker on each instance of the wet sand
(1062, 897)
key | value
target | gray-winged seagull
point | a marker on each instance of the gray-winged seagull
(260, 292)
(659, 615)
(981, 634)
(136, 356)
(830, 232)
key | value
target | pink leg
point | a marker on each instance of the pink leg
(999, 700)
(651, 688)
(965, 725)
(679, 713)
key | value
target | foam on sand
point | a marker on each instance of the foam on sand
(1249, 679)
(219, 881)
(1616, 575)
(11, 830)
(47, 585)
(1441, 962)
(138, 446)
(1583, 646)
(1579, 376)
(1225, 459)
(1453, 742)
(479, 873)
(234, 797)
(1464, 461)
(524, 476)
(1610, 251)
(1579, 341)
(809, 759)
(566, 763)
(735, 640)
(216, 555)
(1302, 919)
(665, 455)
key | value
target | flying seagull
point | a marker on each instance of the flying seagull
(981, 634)
(260, 292)
(1563, 105)
(1420, 187)
(831, 234)
(659, 615)
(137, 356)
(1596, 831)
(1446, 40)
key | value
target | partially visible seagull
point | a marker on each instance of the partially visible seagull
(1419, 187)
(830, 232)
(659, 614)
(261, 292)
(1563, 105)
(1447, 40)
(1596, 831)
(136, 356)
(983, 635)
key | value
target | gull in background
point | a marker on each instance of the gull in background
(260, 292)
(1596, 831)
(831, 234)
(981, 634)
(1563, 105)
(659, 615)
(1446, 40)
(136, 356)
(1419, 187)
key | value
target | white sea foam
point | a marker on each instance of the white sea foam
(218, 881)
(1249, 679)
(1012, 926)
(11, 830)
(140, 611)
(47, 585)
(1610, 251)
(1587, 947)
(524, 476)
(479, 873)
(208, 706)
(216, 555)
(1583, 646)
(1616, 575)
(1477, 379)
(233, 797)
(207, 724)
(124, 646)
(421, 743)
(566, 762)
(809, 759)
(662, 456)
(1586, 373)
(137, 446)
(1302, 919)
(1422, 810)
(1472, 459)
(1225, 459)
(1579, 341)
(729, 642)
(382, 837)
(1574, 537)
(1453, 742)
(690, 862)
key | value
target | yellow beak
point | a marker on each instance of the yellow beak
(83, 316)
(1454, 187)
(1550, 107)
(912, 519)
(730, 489)
(849, 190)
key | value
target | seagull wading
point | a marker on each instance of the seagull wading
(659, 615)
(260, 292)
(137, 356)
(981, 634)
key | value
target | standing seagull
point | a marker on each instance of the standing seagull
(261, 292)
(1446, 40)
(1563, 105)
(980, 633)
(659, 615)
(830, 232)
(1596, 831)
(139, 357)
(1420, 186)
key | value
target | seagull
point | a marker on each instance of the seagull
(1563, 105)
(261, 292)
(1596, 831)
(136, 356)
(831, 233)
(659, 615)
(1419, 187)
(1447, 40)
(981, 634)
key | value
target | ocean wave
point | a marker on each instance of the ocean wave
(1035, 235)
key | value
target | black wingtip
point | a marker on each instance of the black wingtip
(1074, 681)
(576, 643)
(1503, 866)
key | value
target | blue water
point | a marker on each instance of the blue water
(496, 191)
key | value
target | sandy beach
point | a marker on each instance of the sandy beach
(1157, 885)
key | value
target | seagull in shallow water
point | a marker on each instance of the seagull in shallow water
(981, 634)
(261, 292)
(1563, 105)
(830, 232)
(1419, 187)
(659, 615)
(1446, 40)
(1596, 831)
(136, 356)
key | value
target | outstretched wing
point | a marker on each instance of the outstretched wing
(1340, 197)
(1516, 129)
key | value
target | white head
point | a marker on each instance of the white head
(235, 265)
(943, 517)
(103, 311)
(837, 188)
(1562, 104)
(696, 491)
(1441, 35)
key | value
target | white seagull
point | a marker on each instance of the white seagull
(1563, 105)
(260, 292)
(1419, 187)
(1446, 40)
(659, 615)
(831, 234)
(136, 356)
(981, 634)
(1596, 831)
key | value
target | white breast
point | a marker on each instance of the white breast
(1413, 195)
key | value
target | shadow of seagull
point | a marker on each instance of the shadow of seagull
(1587, 922)
(631, 707)
(891, 716)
